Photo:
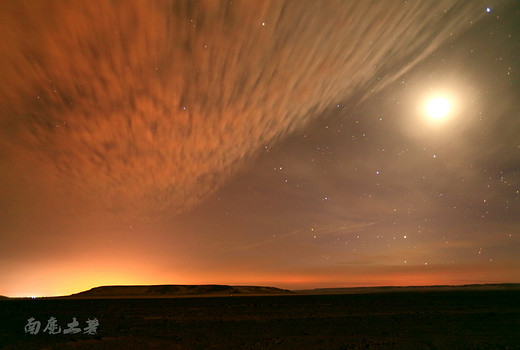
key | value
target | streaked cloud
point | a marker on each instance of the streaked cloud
(144, 108)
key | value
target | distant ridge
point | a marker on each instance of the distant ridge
(391, 289)
(175, 290)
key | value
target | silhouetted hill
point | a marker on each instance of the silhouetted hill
(174, 290)
(388, 289)
(161, 291)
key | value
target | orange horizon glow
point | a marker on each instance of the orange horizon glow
(61, 282)
(272, 143)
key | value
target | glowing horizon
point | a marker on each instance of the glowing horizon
(272, 142)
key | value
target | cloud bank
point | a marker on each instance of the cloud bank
(144, 108)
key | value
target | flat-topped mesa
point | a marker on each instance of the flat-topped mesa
(151, 291)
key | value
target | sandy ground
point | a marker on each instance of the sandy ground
(406, 320)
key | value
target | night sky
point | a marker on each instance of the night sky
(280, 143)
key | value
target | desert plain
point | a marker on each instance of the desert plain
(478, 317)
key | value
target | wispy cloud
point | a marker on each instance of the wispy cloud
(145, 108)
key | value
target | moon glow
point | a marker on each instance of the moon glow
(438, 107)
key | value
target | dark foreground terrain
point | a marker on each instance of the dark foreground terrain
(472, 319)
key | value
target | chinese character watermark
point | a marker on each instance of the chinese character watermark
(92, 326)
(33, 326)
(52, 326)
(72, 327)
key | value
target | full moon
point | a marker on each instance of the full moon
(438, 107)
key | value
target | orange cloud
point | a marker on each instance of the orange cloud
(144, 108)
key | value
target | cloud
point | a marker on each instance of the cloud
(145, 108)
